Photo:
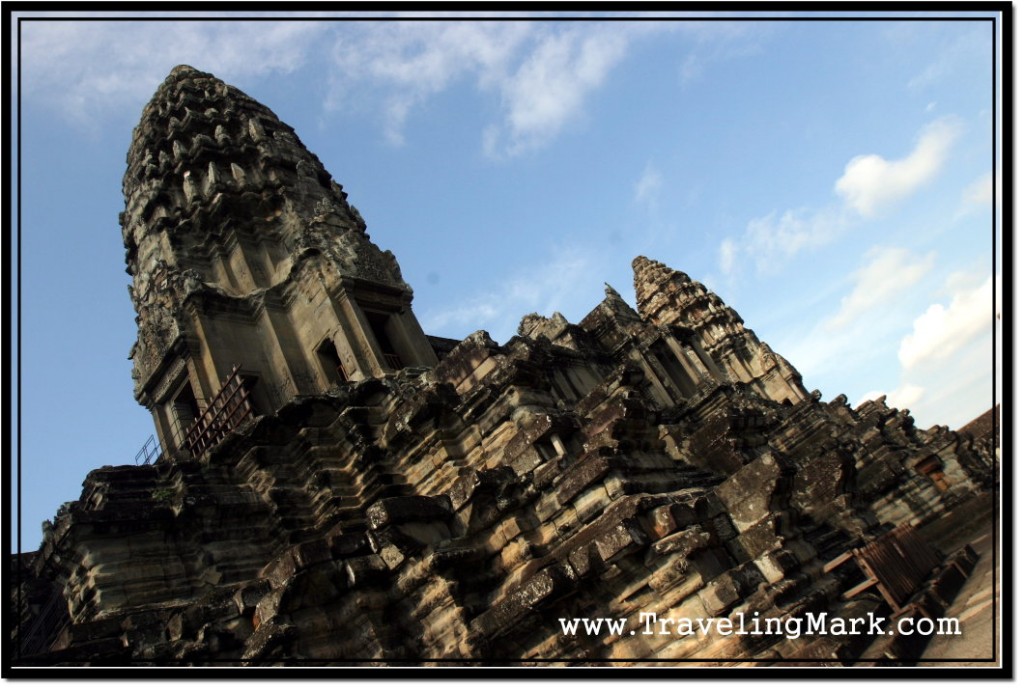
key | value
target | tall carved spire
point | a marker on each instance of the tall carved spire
(244, 251)
(668, 297)
(204, 154)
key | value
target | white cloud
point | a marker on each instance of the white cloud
(549, 88)
(402, 64)
(722, 41)
(866, 322)
(536, 76)
(869, 396)
(947, 359)
(88, 70)
(773, 235)
(691, 69)
(868, 185)
(872, 183)
(562, 282)
(727, 256)
(905, 396)
(646, 189)
(979, 192)
(956, 390)
(541, 74)
(475, 312)
(774, 238)
(890, 272)
(941, 370)
(942, 329)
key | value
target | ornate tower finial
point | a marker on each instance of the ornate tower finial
(243, 251)
(668, 297)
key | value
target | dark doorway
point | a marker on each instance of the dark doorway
(379, 325)
(185, 408)
(331, 362)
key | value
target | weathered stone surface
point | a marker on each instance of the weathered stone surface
(397, 510)
(402, 508)
(748, 493)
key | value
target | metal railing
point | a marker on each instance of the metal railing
(45, 626)
(227, 410)
(150, 452)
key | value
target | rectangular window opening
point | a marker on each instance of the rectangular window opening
(330, 361)
(674, 369)
(379, 326)
(184, 412)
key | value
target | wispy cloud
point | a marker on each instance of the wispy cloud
(890, 271)
(871, 183)
(974, 47)
(540, 73)
(941, 358)
(977, 196)
(539, 76)
(722, 41)
(399, 65)
(979, 192)
(904, 396)
(867, 319)
(771, 240)
(727, 256)
(548, 90)
(88, 70)
(564, 281)
(535, 78)
(647, 188)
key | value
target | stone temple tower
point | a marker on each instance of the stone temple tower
(245, 253)
(668, 297)
(401, 499)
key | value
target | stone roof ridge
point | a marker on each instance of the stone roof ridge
(614, 299)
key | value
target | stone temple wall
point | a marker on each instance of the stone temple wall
(659, 459)
(459, 512)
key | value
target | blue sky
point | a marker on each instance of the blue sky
(831, 180)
